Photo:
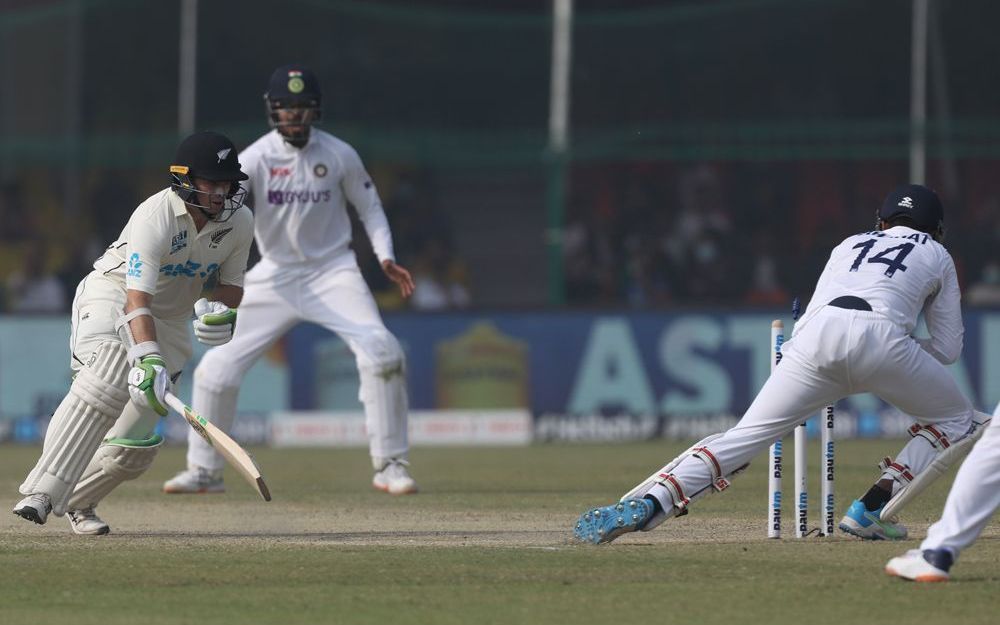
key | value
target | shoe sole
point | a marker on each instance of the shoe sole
(385, 489)
(30, 514)
(927, 578)
(591, 527)
(847, 529)
(101, 532)
(859, 532)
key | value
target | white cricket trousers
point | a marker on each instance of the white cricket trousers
(838, 353)
(974, 496)
(276, 298)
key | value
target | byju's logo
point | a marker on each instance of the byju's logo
(906, 202)
(277, 196)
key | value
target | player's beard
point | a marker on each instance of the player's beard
(297, 138)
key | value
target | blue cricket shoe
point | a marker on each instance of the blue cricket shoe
(602, 525)
(866, 524)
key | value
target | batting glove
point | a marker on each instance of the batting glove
(214, 322)
(148, 383)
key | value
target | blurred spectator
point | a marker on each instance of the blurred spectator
(15, 224)
(986, 291)
(440, 280)
(31, 289)
(765, 288)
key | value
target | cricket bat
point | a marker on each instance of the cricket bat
(236, 456)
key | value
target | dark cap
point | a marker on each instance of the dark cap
(916, 202)
(207, 155)
(293, 83)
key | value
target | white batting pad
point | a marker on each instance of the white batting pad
(80, 423)
(116, 461)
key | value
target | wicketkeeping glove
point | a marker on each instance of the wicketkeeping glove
(214, 322)
(148, 383)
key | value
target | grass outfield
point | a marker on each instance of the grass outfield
(487, 541)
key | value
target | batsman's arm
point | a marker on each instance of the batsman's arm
(142, 326)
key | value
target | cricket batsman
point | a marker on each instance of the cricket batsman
(855, 337)
(130, 335)
(301, 180)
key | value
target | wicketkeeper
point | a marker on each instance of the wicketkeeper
(131, 331)
(855, 337)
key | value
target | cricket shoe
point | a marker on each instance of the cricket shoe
(393, 478)
(35, 507)
(195, 480)
(87, 523)
(929, 565)
(866, 524)
(602, 525)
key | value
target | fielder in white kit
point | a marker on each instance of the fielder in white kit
(130, 337)
(974, 497)
(300, 181)
(855, 337)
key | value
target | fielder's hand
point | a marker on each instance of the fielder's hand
(399, 275)
(148, 382)
(214, 322)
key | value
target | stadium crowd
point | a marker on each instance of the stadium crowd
(639, 235)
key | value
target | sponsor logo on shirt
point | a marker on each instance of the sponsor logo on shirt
(218, 236)
(179, 241)
(277, 196)
(134, 266)
(279, 172)
(188, 270)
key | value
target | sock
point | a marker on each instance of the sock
(875, 498)
(657, 507)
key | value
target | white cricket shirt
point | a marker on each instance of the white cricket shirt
(160, 252)
(901, 272)
(299, 200)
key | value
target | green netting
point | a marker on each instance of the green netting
(452, 86)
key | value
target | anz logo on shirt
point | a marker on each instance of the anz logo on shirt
(188, 270)
(134, 267)
(278, 196)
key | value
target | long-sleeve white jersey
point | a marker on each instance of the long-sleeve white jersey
(900, 272)
(299, 200)
(160, 252)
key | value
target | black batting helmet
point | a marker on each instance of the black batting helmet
(210, 156)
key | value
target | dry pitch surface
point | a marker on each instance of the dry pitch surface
(488, 541)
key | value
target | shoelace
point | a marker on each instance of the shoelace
(82, 515)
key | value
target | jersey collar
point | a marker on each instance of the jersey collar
(177, 205)
(287, 148)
